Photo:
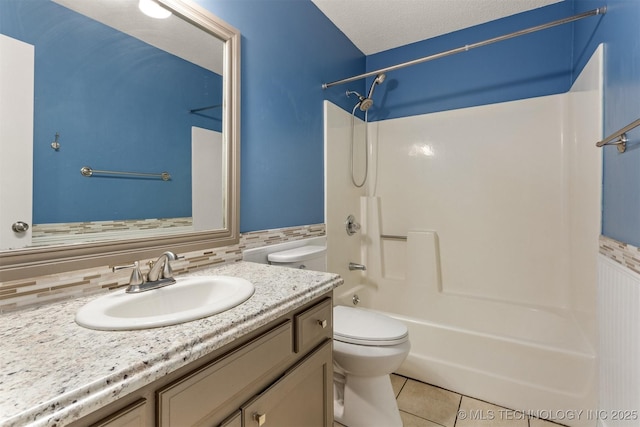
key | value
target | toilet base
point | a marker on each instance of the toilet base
(365, 402)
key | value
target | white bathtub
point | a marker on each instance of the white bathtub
(476, 347)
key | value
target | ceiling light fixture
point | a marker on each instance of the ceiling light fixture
(153, 9)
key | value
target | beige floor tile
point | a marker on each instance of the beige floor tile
(476, 413)
(536, 422)
(337, 424)
(429, 402)
(397, 382)
(409, 420)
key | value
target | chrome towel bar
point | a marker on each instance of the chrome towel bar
(87, 171)
(619, 138)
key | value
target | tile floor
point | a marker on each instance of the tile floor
(424, 405)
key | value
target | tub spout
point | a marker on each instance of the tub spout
(354, 266)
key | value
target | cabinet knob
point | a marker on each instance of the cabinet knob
(260, 418)
(322, 323)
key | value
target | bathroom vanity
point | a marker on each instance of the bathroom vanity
(265, 362)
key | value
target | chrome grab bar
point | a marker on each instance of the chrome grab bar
(393, 237)
(620, 137)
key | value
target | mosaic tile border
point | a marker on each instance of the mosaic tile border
(42, 230)
(15, 295)
(622, 253)
(18, 294)
(70, 232)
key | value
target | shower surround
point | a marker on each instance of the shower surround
(480, 231)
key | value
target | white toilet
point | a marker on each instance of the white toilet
(367, 347)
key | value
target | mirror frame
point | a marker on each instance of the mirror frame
(24, 263)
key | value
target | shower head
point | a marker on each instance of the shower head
(379, 79)
(365, 103)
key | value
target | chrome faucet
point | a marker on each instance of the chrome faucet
(160, 274)
(161, 269)
(354, 266)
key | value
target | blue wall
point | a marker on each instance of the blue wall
(84, 69)
(282, 67)
(533, 65)
(289, 48)
(619, 30)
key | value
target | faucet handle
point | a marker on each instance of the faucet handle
(351, 225)
(137, 278)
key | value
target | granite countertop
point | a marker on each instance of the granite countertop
(55, 372)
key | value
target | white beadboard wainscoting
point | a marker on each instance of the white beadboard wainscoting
(619, 342)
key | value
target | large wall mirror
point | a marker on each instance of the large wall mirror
(120, 133)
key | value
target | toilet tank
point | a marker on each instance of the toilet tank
(310, 257)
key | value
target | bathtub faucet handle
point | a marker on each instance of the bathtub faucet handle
(351, 225)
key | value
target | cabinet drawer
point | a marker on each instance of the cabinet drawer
(314, 325)
(134, 415)
(195, 398)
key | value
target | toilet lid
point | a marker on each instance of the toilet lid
(302, 253)
(363, 327)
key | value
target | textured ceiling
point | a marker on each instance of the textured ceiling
(372, 25)
(377, 25)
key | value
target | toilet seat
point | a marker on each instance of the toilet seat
(362, 327)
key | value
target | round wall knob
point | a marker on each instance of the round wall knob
(20, 226)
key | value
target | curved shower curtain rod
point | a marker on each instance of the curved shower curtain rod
(466, 48)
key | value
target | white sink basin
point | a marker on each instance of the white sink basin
(189, 299)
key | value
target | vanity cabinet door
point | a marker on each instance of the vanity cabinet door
(303, 397)
(203, 397)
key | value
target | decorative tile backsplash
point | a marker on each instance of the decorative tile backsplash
(47, 234)
(622, 253)
(18, 294)
(37, 290)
